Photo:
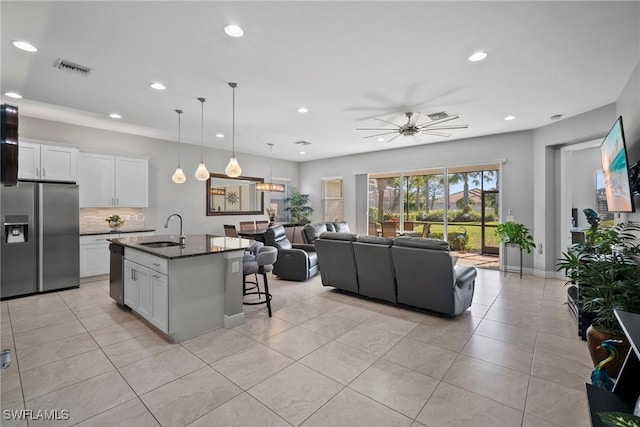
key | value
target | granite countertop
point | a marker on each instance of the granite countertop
(98, 233)
(195, 245)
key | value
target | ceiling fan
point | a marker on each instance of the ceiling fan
(412, 128)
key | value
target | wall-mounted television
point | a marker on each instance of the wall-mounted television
(613, 153)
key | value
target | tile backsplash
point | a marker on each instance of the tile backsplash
(92, 220)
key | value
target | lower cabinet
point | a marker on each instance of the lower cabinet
(94, 252)
(146, 291)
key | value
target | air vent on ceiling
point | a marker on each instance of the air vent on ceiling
(70, 66)
(302, 143)
(438, 116)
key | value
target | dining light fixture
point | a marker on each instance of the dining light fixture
(202, 174)
(233, 169)
(178, 176)
(270, 186)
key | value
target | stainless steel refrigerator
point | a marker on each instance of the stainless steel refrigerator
(40, 249)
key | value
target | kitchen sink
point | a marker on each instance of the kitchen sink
(160, 244)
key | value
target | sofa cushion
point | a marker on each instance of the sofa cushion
(421, 242)
(341, 227)
(339, 236)
(375, 240)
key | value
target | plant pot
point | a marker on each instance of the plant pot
(115, 225)
(594, 338)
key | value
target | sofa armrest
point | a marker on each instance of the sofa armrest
(464, 275)
(292, 264)
(307, 247)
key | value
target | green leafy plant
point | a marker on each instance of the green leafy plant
(114, 218)
(619, 419)
(298, 206)
(512, 233)
(609, 279)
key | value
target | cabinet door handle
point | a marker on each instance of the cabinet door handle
(117, 201)
(37, 172)
(44, 172)
(132, 274)
(155, 276)
(156, 264)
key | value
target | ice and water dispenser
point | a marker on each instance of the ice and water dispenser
(16, 228)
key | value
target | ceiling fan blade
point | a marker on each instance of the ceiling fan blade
(437, 122)
(386, 121)
(413, 119)
(394, 130)
(379, 134)
(429, 132)
(394, 137)
(427, 127)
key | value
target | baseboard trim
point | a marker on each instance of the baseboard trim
(234, 320)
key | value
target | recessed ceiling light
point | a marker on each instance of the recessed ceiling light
(478, 56)
(158, 86)
(556, 117)
(219, 135)
(115, 116)
(510, 118)
(303, 152)
(303, 110)
(13, 95)
(26, 46)
(380, 139)
(233, 30)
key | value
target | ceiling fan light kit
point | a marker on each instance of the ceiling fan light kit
(233, 169)
(413, 128)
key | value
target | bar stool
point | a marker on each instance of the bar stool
(263, 264)
(250, 255)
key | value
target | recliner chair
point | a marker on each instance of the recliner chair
(298, 262)
(374, 264)
(427, 278)
(338, 267)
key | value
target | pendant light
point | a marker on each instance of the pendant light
(270, 186)
(202, 174)
(233, 169)
(178, 176)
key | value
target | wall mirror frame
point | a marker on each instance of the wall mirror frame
(233, 196)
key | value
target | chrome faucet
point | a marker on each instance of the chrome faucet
(182, 237)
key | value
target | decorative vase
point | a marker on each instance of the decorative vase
(594, 338)
(115, 225)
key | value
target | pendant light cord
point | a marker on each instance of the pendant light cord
(271, 163)
(179, 139)
(202, 100)
(233, 122)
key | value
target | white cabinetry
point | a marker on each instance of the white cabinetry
(146, 287)
(47, 162)
(108, 181)
(94, 252)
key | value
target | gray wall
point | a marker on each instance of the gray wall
(584, 165)
(514, 148)
(165, 197)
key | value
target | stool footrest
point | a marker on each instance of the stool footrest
(267, 297)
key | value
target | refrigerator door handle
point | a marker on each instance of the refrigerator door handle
(40, 216)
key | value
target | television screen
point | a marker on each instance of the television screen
(613, 153)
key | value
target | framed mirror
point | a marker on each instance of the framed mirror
(234, 196)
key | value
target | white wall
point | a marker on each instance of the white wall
(165, 197)
(515, 148)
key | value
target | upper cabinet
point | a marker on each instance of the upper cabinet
(43, 162)
(110, 181)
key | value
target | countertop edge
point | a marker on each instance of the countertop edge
(160, 252)
(113, 233)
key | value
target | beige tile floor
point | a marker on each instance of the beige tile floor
(323, 359)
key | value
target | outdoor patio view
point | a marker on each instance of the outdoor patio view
(459, 205)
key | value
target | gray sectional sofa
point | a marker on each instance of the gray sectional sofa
(409, 271)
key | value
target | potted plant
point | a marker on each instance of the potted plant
(298, 207)
(514, 234)
(114, 222)
(608, 280)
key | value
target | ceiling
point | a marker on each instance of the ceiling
(347, 62)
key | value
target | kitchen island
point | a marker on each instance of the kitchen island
(184, 290)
